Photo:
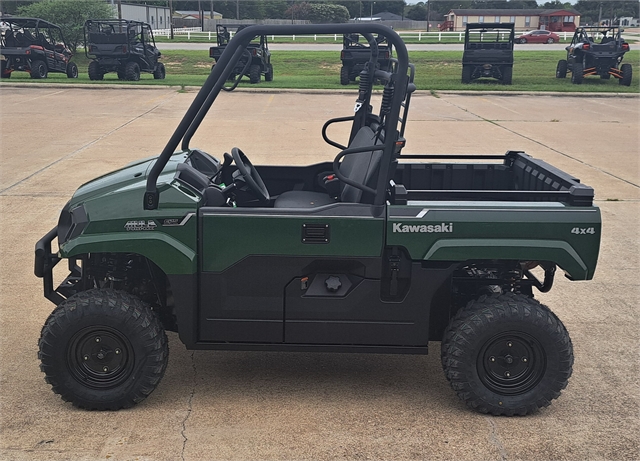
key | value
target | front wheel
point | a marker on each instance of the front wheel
(268, 76)
(627, 74)
(72, 70)
(344, 75)
(103, 350)
(561, 69)
(507, 354)
(160, 72)
(550, 40)
(523, 40)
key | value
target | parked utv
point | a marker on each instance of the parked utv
(121, 46)
(596, 51)
(35, 46)
(376, 252)
(355, 55)
(488, 52)
(255, 61)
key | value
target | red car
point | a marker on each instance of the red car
(538, 36)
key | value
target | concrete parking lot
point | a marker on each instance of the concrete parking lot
(257, 405)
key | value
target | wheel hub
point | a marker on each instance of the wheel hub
(100, 358)
(511, 363)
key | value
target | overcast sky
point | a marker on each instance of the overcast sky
(539, 1)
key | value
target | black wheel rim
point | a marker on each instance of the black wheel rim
(100, 357)
(511, 363)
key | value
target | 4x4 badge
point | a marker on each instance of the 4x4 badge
(141, 225)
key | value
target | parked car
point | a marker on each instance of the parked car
(538, 36)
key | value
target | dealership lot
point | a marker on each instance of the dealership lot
(259, 405)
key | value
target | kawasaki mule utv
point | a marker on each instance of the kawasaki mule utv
(35, 46)
(255, 61)
(124, 47)
(488, 52)
(596, 51)
(376, 252)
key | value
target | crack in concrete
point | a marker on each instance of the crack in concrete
(189, 408)
(494, 438)
(494, 122)
(89, 144)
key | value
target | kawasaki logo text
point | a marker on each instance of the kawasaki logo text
(422, 228)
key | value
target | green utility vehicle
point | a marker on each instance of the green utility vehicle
(488, 52)
(378, 251)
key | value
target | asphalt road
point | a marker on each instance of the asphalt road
(299, 406)
(338, 46)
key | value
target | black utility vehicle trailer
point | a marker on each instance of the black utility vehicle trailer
(376, 252)
(35, 46)
(255, 61)
(596, 50)
(355, 54)
(125, 47)
(488, 52)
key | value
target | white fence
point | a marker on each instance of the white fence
(196, 34)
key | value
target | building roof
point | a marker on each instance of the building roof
(509, 12)
(386, 16)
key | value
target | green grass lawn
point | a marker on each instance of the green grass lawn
(435, 70)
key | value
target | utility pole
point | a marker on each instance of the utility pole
(119, 9)
(171, 18)
(238, 10)
(600, 14)
(428, 14)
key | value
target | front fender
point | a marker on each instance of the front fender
(168, 253)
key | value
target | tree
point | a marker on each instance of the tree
(318, 13)
(70, 15)
(417, 12)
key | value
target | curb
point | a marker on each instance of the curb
(350, 90)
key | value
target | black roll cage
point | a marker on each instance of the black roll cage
(35, 23)
(121, 24)
(231, 55)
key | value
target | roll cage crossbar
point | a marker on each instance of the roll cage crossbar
(231, 55)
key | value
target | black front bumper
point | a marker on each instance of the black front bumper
(45, 261)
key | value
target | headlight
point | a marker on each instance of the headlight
(71, 223)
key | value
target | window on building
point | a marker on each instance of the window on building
(527, 21)
(465, 20)
(160, 19)
(497, 19)
(481, 19)
(151, 20)
(512, 19)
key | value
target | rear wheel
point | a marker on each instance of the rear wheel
(95, 72)
(627, 74)
(507, 75)
(132, 71)
(466, 74)
(507, 354)
(523, 40)
(38, 69)
(103, 350)
(344, 75)
(577, 73)
(254, 74)
(4, 73)
(72, 70)
(561, 69)
(160, 72)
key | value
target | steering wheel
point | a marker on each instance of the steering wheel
(250, 175)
